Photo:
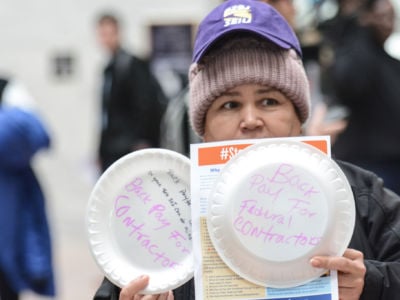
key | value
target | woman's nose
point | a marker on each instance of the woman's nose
(250, 118)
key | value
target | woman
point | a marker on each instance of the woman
(247, 81)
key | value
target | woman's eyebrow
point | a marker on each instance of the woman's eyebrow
(265, 90)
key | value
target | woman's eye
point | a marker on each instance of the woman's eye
(269, 102)
(230, 105)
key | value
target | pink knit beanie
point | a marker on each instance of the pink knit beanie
(244, 60)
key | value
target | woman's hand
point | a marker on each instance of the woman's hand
(351, 272)
(132, 291)
(317, 125)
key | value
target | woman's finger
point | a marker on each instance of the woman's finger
(134, 287)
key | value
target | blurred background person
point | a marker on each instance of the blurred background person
(334, 32)
(26, 254)
(132, 99)
(365, 80)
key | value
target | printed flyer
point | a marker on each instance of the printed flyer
(213, 278)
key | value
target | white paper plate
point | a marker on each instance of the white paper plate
(139, 221)
(275, 206)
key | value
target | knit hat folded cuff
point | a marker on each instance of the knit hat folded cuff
(282, 70)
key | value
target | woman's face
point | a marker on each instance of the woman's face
(251, 111)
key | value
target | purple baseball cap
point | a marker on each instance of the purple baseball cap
(244, 15)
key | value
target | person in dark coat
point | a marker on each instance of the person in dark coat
(363, 77)
(132, 99)
(26, 252)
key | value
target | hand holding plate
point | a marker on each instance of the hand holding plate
(351, 272)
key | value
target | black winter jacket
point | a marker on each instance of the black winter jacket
(132, 108)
